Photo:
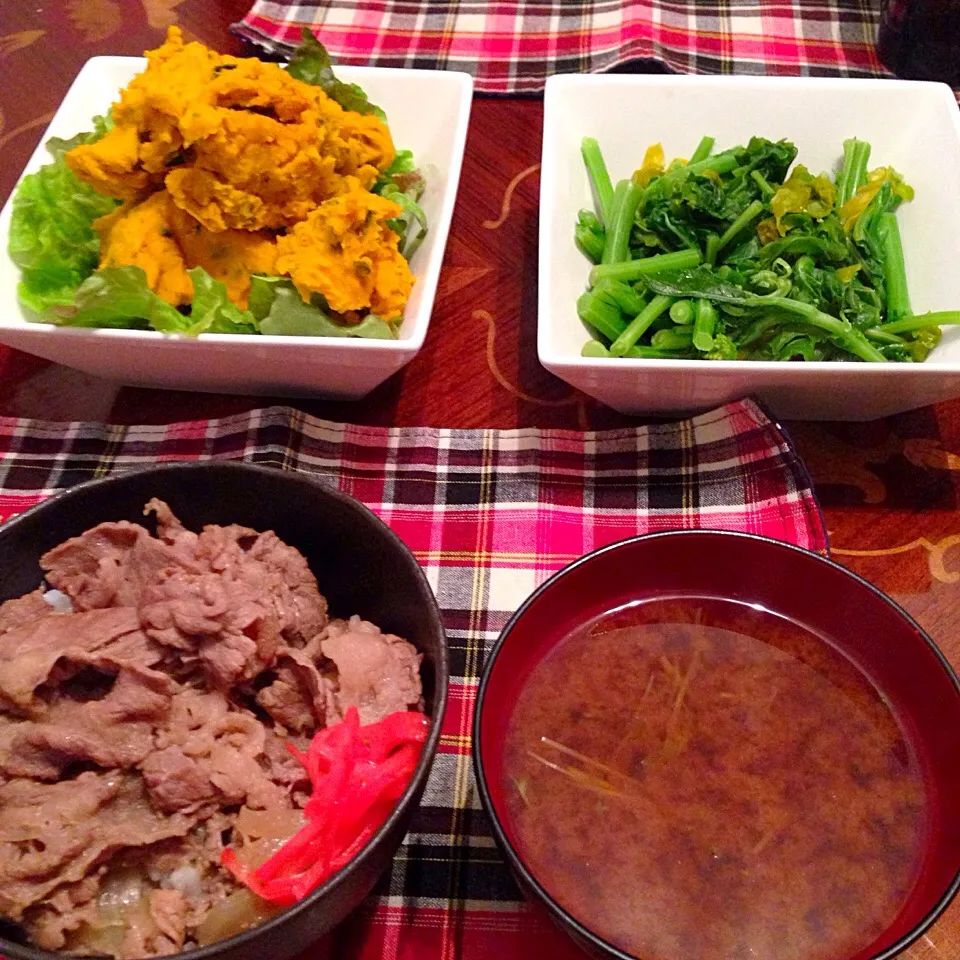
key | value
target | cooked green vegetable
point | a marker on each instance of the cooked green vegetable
(597, 169)
(744, 255)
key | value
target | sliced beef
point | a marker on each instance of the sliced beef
(53, 834)
(114, 731)
(89, 568)
(171, 531)
(268, 568)
(168, 911)
(301, 698)
(211, 754)
(378, 673)
(23, 610)
(176, 781)
(29, 652)
(64, 911)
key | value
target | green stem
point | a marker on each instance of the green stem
(720, 162)
(710, 249)
(619, 195)
(599, 177)
(703, 149)
(640, 324)
(675, 338)
(592, 244)
(704, 324)
(682, 312)
(856, 156)
(843, 333)
(883, 336)
(633, 270)
(603, 316)
(894, 267)
(626, 298)
(750, 214)
(921, 321)
(617, 249)
(761, 181)
(594, 349)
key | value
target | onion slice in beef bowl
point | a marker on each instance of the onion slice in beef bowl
(194, 749)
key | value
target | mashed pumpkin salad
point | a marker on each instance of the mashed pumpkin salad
(224, 195)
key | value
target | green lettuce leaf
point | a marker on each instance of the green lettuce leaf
(402, 183)
(287, 315)
(411, 224)
(403, 162)
(212, 312)
(57, 146)
(52, 239)
(312, 64)
(120, 297)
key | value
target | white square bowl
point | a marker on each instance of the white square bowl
(914, 127)
(428, 112)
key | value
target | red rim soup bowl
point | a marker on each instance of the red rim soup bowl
(867, 627)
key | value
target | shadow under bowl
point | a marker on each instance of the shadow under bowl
(881, 641)
(361, 567)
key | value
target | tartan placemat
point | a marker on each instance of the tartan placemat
(489, 514)
(513, 46)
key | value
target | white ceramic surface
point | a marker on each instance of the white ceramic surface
(428, 112)
(912, 126)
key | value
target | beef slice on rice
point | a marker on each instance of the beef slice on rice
(136, 726)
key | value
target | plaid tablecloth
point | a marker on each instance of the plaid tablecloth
(514, 45)
(489, 514)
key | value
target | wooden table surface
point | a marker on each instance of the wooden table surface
(889, 488)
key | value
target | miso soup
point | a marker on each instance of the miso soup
(704, 780)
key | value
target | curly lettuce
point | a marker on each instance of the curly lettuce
(52, 239)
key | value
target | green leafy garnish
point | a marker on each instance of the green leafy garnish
(211, 311)
(120, 297)
(405, 187)
(312, 64)
(52, 239)
(282, 312)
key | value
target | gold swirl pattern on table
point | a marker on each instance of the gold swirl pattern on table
(936, 554)
(927, 948)
(95, 20)
(40, 121)
(575, 399)
(834, 462)
(508, 198)
(161, 13)
(12, 42)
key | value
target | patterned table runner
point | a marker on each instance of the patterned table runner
(489, 514)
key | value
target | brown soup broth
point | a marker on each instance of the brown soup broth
(697, 779)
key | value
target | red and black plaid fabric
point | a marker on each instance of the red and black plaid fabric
(513, 46)
(489, 514)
